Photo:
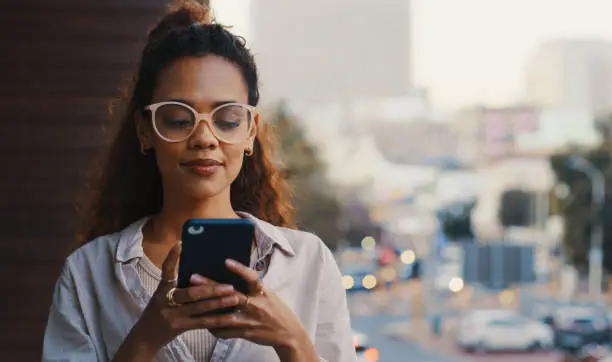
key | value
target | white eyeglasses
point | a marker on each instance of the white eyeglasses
(176, 121)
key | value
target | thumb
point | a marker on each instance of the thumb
(170, 266)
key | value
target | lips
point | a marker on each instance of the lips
(203, 167)
(203, 162)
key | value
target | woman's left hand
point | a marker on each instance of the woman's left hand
(266, 320)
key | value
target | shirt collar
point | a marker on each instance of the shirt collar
(130, 239)
(271, 234)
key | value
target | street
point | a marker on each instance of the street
(393, 350)
(372, 313)
(376, 313)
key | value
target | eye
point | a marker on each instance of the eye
(179, 123)
(227, 124)
(231, 116)
(175, 116)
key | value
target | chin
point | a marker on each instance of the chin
(205, 189)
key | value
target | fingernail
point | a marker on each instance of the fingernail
(197, 278)
(231, 262)
(226, 288)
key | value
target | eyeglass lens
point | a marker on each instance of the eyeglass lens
(230, 123)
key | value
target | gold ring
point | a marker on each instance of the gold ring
(170, 298)
(259, 289)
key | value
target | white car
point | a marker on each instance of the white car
(502, 329)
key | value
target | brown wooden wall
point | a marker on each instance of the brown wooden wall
(61, 62)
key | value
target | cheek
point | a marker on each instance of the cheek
(167, 156)
(234, 157)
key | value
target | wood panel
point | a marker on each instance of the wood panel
(22, 330)
(56, 162)
(84, 23)
(38, 8)
(37, 279)
(45, 250)
(77, 52)
(48, 135)
(52, 220)
(63, 81)
(62, 110)
(63, 62)
(22, 351)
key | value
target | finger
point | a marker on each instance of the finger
(228, 321)
(209, 305)
(244, 332)
(207, 291)
(213, 321)
(170, 265)
(248, 274)
(197, 279)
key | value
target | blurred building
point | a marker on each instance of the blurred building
(571, 74)
(559, 128)
(416, 142)
(317, 53)
(531, 175)
(488, 134)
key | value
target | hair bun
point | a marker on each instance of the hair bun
(198, 11)
(182, 14)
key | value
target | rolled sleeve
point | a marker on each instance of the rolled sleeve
(66, 338)
(334, 336)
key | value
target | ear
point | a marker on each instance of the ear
(251, 140)
(144, 131)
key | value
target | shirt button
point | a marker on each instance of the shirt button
(260, 265)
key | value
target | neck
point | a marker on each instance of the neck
(166, 227)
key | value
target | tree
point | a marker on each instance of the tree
(318, 211)
(576, 207)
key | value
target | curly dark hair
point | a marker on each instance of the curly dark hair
(129, 186)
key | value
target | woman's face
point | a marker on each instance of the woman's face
(201, 166)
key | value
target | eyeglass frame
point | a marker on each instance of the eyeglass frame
(199, 117)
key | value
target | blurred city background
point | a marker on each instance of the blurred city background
(455, 155)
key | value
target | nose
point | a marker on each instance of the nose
(203, 137)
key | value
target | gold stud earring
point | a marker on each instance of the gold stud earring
(248, 152)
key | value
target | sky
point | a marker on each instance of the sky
(469, 52)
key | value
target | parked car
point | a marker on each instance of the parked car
(502, 329)
(577, 326)
(541, 309)
(591, 353)
(359, 277)
(364, 352)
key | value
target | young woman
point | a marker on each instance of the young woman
(189, 147)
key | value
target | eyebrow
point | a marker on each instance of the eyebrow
(192, 105)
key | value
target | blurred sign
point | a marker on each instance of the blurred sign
(569, 281)
(497, 266)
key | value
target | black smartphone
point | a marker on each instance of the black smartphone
(207, 243)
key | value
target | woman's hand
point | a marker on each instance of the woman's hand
(267, 320)
(172, 311)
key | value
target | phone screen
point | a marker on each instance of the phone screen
(207, 243)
